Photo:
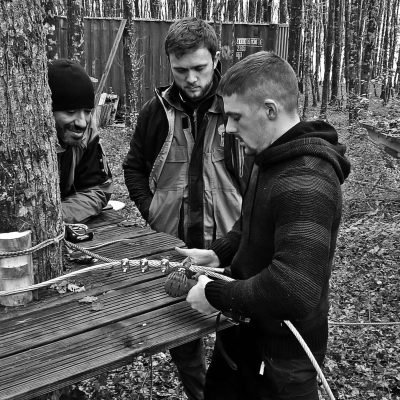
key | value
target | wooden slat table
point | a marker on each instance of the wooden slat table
(57, 341)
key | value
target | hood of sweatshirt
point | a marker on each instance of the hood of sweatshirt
(310, 138)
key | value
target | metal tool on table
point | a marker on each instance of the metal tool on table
(77, 233)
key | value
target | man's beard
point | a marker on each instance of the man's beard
(204, 92)
(65, 139)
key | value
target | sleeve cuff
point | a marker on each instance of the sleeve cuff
(215, 292)
(223, 250)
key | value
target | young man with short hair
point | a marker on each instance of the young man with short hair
(183, 173)
(281, 250)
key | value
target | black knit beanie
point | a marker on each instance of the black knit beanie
(71, 87)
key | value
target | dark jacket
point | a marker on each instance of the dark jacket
(281, 251)
(150, 134)
(85, 178)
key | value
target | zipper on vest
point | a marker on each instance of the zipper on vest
(195, 123)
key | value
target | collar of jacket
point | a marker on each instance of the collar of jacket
(311, 138)
(170, 95)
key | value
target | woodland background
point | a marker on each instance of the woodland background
(342, 45)
(346, 55)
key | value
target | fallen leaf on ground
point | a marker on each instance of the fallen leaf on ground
(88, 299)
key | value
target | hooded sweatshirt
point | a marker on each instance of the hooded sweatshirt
(281, 250)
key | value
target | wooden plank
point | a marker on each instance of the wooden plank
(55, 365)
(114, 232)
(106, 217)
(66, 320)
(139, 247)
(138, 235)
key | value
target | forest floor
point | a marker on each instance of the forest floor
(363, 359)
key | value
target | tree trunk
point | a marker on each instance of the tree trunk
(252, 11)
(369, 47)
(307, 55)
(283, 12)
(155, 9)
(353, 61)
(183, 9)
(313, 74)
(267, 11)
(230, 11)
(346, 45)
(201, 8)
(376, 69)
(260, 11)
(132, 66)
(107, 8)
(385, 55)
(137, 8)
(337, 50)
(75, 31)
(318, 51)
(171, 9)
(328, 59)
(393, 45)
(49, 28)
(217, 23)
(30, 196)
(295, 30)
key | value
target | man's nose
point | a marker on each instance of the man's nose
(191, 77)
(230, 126)
(80, 120)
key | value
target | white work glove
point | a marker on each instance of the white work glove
(197, 298)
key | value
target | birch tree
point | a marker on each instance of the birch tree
(337, 50)
(328, 58)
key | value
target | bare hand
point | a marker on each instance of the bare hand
(197, 298)
(205, 258)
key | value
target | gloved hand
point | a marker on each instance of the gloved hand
(197, 298)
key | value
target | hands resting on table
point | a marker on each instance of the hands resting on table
(196, 296)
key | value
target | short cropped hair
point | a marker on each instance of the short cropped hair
(189, 34)
(263, 74)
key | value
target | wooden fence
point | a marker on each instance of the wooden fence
(237, 41)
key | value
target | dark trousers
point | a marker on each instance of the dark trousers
(282, 379)
(190, 361)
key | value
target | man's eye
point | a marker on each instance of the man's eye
(198, 69)
(71, 111)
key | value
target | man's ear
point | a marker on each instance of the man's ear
(217, 58)
(271, 109)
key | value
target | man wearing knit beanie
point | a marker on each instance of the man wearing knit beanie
(85, 178)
